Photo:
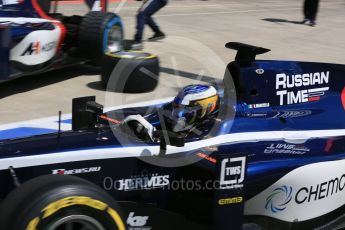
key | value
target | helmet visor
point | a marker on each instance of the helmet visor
(184, 116)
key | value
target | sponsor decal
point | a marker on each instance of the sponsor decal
(320, 191)
(287, 87)
(137, 222)
(279, 198)
(230, 200)
(211, 148)
(139, 182)
(76, 171)
(256, 114)
(261, 105)
(305, 193)
(52, 209)
(279, 114)
(294, 113)
(232, 172)
(286, 149)
(40, 44)
(35, 48)
(260, 71)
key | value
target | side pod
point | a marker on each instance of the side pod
(229, 196)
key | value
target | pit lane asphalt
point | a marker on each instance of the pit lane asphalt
(197, 31)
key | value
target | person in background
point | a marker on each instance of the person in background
(144, 16)
(310, 11)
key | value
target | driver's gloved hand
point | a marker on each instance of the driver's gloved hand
(140, 126)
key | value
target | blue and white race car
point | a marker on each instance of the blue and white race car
(35, 38)
(264, 150)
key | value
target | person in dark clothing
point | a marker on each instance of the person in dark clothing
(144, 16)
(310, 11)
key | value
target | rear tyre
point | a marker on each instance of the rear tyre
(54, 202)
(130, 72)
(100, 33)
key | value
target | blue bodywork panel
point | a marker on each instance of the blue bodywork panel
(280, 115)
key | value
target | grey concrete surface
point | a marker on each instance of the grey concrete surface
(197, 31)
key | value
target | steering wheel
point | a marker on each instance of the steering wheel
(139, 130)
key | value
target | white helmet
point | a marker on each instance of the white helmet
(192, 104)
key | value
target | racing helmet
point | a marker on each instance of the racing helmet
(193, 104)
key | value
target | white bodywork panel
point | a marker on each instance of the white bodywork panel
(305, 193)
(37, 47)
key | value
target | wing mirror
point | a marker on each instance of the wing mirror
(85, 112)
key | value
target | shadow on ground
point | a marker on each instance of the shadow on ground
(97, 85)
(277, 20)
(27, 83)
(184, 74)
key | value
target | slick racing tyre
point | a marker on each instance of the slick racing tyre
(100, 33)
(56, 202)
(130, 72)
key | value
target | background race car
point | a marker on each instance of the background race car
(35, 38)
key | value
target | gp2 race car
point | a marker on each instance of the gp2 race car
(33, 39)
(274, 158)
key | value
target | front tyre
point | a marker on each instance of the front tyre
(59, 202)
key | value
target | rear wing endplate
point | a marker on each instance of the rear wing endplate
(246, 53)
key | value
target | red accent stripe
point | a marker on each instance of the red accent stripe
(36, 47)
(103, 4)
(206, 157)
(314, 98)
(42, 14)
(343, 97)
(109, 119)
(329, 145)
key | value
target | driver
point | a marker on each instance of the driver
(192, 110)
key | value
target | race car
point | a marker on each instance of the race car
(34, 38)
(269, 155)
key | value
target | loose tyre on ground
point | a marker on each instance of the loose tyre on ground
(130, 72)
(100, 33)
(54, 202)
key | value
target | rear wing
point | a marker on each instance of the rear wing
(246, 53)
